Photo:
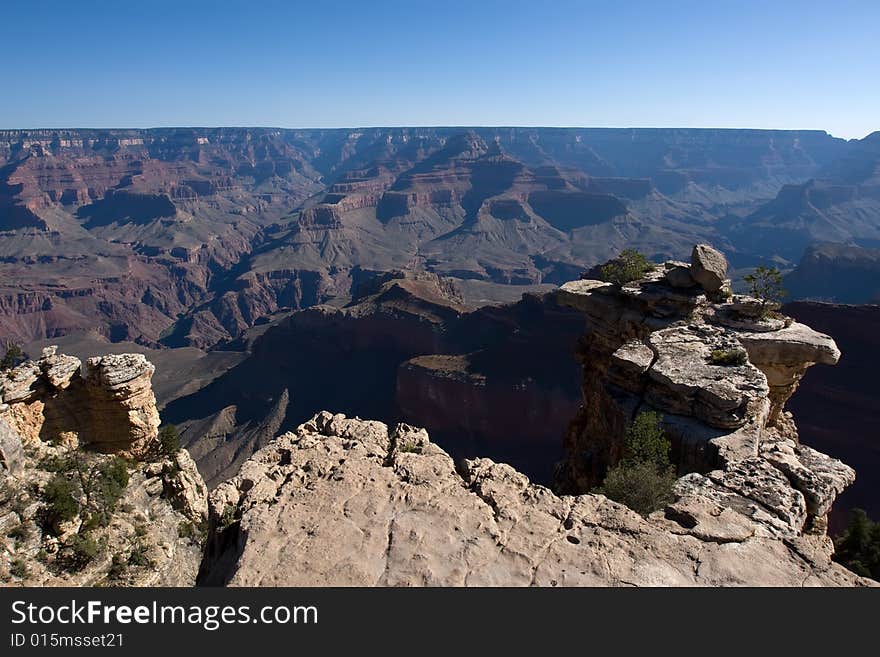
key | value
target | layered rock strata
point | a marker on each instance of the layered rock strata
(88, 496)
(108, 404)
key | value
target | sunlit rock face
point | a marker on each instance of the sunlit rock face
(65, 423)
(348, 502)
(720, 371)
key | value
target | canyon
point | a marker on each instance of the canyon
(366, 503)
(188, 237)
(430, 277)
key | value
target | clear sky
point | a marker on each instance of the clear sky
(326, 63)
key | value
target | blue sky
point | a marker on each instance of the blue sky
(713, 63)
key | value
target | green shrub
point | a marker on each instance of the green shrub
(858, 547)
(643, 487)
(118, 567)
(21, 532)
(765, 283)
(169, 440)
(80, 551)
(56, 463)
(18, 568)
(60, 496)
(138, 556)
(645, 440)
(227, 518)
(644, 478)
(13, 356)
(728, 357)
(629, 266)
(107, 484)
(96, 520)
(20, 504)
(194, 531)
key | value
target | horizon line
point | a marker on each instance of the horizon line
(433, 126)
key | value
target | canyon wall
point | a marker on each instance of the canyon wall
(190, 236)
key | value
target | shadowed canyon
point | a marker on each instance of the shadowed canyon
(445, 278)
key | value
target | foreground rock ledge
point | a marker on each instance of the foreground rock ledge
(349, 502)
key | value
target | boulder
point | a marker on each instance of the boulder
(120, 404)
(708, 267)
(679, 275)
(58, 369)
(110, 405)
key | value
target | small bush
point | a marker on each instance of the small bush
(118, 567)
(20, 504)
(61, 503)
(13, 356)
(629, 266)
(728, 357)
(643, 487)
(169, 440)
(858, 547)
(227, 518)
(55, 463)
(765, 283)
(644, 478)
(21, 532)
(80, 551)
(96, 520)
(410, 448)
(646, 441)
(194, 531)
(138, 556)
(108, 483)
(18, 568)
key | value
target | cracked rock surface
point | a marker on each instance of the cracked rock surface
(349, 502)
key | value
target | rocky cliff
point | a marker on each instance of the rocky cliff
(348, 502)
(839, 273)
(836, 407)
(89, 495)
(368, 504)
(720, 368)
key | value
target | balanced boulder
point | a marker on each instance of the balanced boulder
(708, 267)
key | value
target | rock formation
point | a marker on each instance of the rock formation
(708, 267)
(107, 405)
(842, 273)
(349, 502)
(367, 504)
(720, 373)
(88, 495)
(836, 407)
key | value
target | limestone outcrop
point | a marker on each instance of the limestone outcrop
(719, 369)
(108, 404)
(88, 495)
(350, 502)
(11, 452)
